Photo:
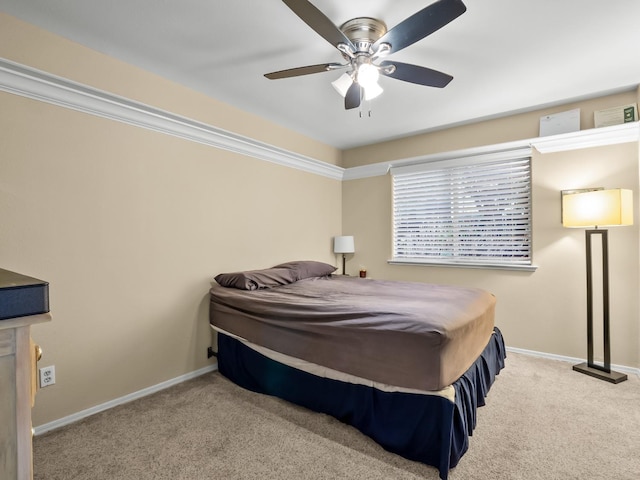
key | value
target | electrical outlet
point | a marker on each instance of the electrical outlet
(47, 376)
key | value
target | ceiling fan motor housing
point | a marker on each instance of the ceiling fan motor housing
(363, 32)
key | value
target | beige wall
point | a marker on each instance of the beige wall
(129, 226)
(543, 310)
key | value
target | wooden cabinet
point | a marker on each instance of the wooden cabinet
(18, 359)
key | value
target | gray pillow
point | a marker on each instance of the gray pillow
(282, 274)
(308, 268)
(255, 279)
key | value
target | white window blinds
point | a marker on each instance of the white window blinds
(464, 213)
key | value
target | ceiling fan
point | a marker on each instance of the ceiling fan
(363, 41)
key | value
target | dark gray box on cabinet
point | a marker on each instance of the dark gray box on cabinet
(21, 295)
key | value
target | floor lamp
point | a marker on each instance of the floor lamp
(343, 245)
(598, 208)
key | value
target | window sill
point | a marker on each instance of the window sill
(486, 266)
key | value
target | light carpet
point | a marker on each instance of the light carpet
(541, 421)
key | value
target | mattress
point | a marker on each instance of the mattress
(411, 335)
(320, 371)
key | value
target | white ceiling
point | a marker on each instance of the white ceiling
(506, 56)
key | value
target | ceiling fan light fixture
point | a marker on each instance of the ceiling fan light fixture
(342, 84)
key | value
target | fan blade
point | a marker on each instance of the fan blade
(421, 24)
(309, 69)
(353, 96)
(415, 74)
(318, 22)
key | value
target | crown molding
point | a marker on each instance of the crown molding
(39, 85)
(366, 171)
(482, 154)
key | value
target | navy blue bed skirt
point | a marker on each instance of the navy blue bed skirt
(426, 428)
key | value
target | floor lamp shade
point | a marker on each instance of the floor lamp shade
(343, 245)
(598, 208)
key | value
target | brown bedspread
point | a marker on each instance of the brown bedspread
(413, 335)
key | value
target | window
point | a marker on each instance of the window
(462, 212)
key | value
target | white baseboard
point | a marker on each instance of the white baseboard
(562, 358)
(61, 422)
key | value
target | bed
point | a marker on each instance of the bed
(405, 363)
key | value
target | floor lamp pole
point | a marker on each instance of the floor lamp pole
(604, 371)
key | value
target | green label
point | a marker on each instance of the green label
(629, 114)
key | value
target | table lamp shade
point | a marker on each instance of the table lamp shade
(343, 244)
(598, 208)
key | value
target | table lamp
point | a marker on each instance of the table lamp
(343, 245)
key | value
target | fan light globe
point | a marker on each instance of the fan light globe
(372, 91)
(368, 75)
(342, 84)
